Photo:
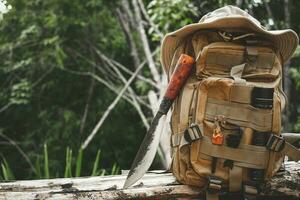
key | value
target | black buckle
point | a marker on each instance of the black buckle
(275, 143)
(262, 97)
(214, 184)
(192, 133)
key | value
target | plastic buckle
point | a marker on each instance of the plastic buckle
(192, 133)
(250, 189)
(275, 143)
(214, 184)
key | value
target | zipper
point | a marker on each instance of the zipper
(192, 107)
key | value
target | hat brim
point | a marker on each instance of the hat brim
(286, 41)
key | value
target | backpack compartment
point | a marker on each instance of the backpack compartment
(218, 59)
(181, 116)
(222, 97)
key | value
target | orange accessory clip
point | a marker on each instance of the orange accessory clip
(217, 137)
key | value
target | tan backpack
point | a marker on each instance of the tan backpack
(226, 122)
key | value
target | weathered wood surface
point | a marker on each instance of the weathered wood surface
(154, 185)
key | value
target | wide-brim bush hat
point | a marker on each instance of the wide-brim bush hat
(285, 41)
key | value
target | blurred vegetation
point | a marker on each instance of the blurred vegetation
(42, 102)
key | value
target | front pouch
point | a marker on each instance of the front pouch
(224, 111)
(217, 59)
(202, 162)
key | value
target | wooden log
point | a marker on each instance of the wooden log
(154, 185)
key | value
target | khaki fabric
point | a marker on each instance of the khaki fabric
(219, 93)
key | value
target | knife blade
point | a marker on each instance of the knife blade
(148, 148)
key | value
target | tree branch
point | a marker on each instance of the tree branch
(270, 13)
(132, 93)
(128, 36)
(145, 43)
(111, 107)
(98, 79)
(87, 105)
(145, 14)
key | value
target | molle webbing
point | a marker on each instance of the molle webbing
(235, 179)
(240, 114)
(241, 94)
(248, 154)
(244, 156)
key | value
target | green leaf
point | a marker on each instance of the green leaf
(20, 92)
(46, 162)
(115, 169)
(60, 56)
(96, 163)
(6, 171)
(17, 65)
(68, 166)
(38, 168)
(31, 30)
(51, 40)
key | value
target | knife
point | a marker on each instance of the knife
(148, 148)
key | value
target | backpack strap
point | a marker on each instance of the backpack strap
(278, 143)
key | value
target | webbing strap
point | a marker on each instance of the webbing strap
(235, 179)
(240, 114)
(212, 196)
(241, 94)
(250, 154)
(192, 133)
(236, 73)
(292, 152)
(278, 143)
(236, 163)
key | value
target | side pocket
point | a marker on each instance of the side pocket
(181, 166)
(276, 158)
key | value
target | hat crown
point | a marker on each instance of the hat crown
(227, 11)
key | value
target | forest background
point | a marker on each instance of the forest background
(80, 79)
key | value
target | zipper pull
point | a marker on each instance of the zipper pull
(218, 136)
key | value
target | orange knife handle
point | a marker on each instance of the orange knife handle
(182, 71)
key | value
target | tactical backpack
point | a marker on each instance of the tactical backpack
(226, 121)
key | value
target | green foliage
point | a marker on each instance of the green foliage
(37, 167)
(295, 73)
(68, 168)
(115, 169)
(6, 171)
(20, 93)
(40, 41)
(46, 162)
(141, 86)
(95, 171)
(79, 162)
(171, 14)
